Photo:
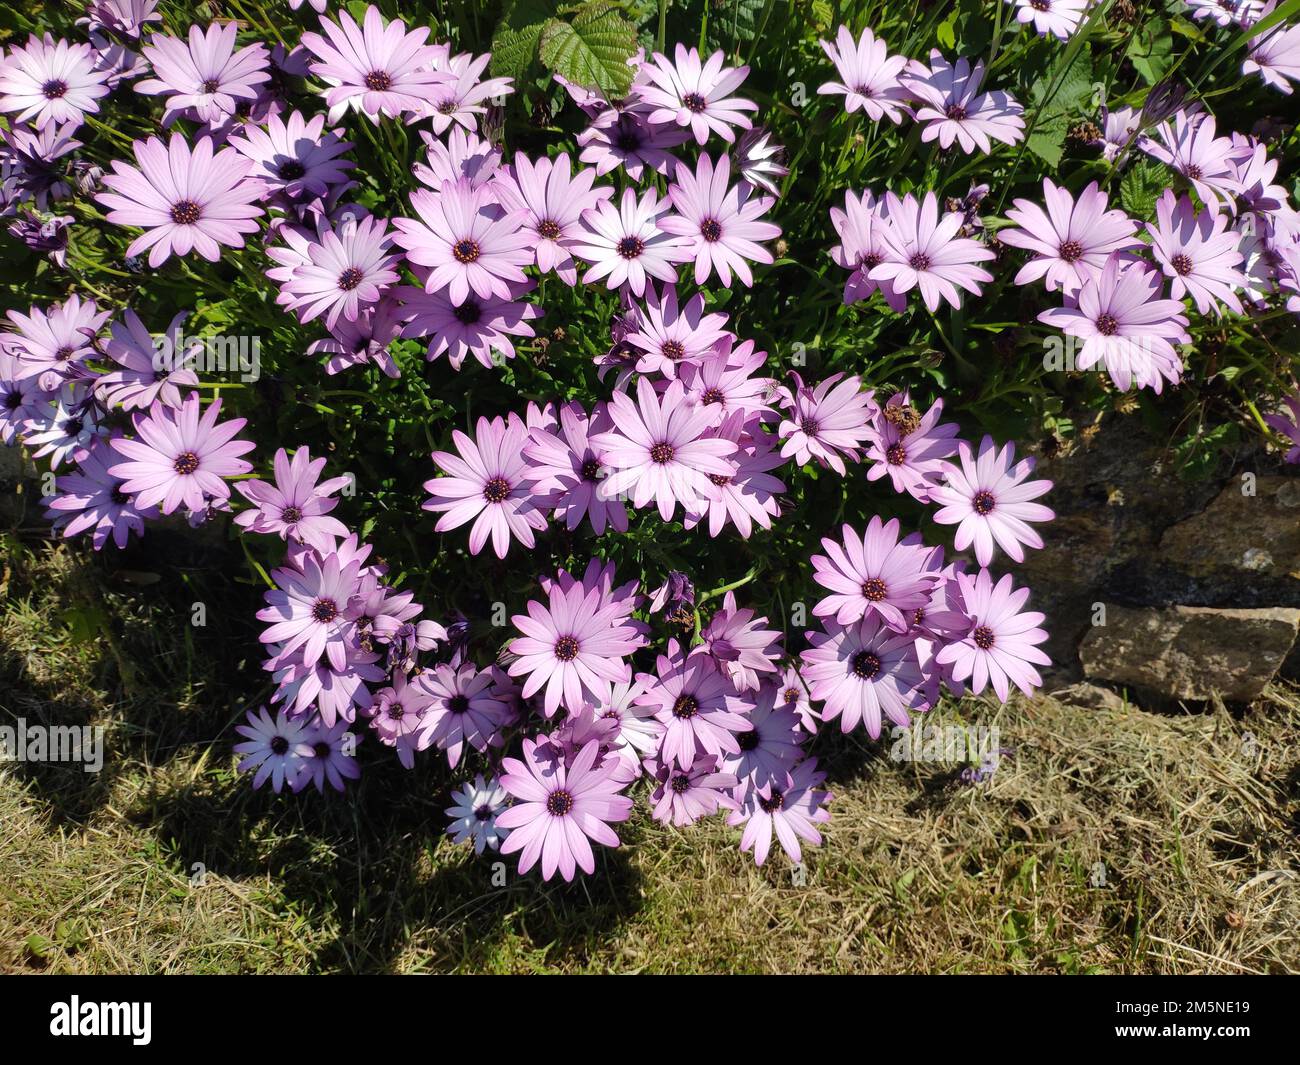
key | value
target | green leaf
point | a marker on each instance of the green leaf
(593, 50)
(514, 45)
(1141, 186)
(1152, 57)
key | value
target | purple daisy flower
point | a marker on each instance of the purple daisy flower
(1198, 253)
(696, 94)
(1189, 147)
(720, 226)
(329, 756)
(771, 748)
(48, 81)
(869, 76)
(347, 268)
(183, 199)
(181, 457)
(377, 68)
(671, 335)
(626, 244)
(827, 421)
(749, 496)
(275, 747)
(926, 252)
(460, 98)
(559, 808)
(20, 398)
(295, 505)
(1125, 324)
(953, 108)
(365, 340)
(34, 165)
(877, 573)
(465, 707)
(627, 138)
(791, 809)
(724, 382)
(739, 645)
(65, 425)
(295, 159)
(53, 344)
(1072, 240)
(206, 78)
(1288, 427)
(555, 199)
(865, 672)
(1274, 55)
(684, 795)
(474, 809)
(1120, 127)
(92, 499)
(989, 499)
(759, 162)
(637, 733)
(475, 326)
(468, 242)
(658, 450)
(307, 611)
(490, 483)
(462, 155)
(909, 447)
(1001, 646)
(697, 706)
(570, 469)
(151, 371)
(574, 645)
(336, 695)
(861, 227)
(1051, 18)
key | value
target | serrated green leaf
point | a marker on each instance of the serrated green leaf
(593, 50)
(1141, 186)
(515, 43)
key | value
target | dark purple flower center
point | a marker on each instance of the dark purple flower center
(710, 396)
(1071, 251)
(396, 711)
(1194, 172)
(211, 85)
(870, 260)
(862, 90)
(1107, 325)
(747, 741)
(465, 251)
(661, 453)
(983, 637)
(874, 590)
(694, 102)
(321, 750)
(448, 107)
(686, 707)
(895, 455)
(809, 426)
(291, 170)
(956, 112)
(186, 463)
(291, 515)
(566, 648)
(378, 81)
(72, 426)
(279, 745)
(628, 141)
(324, 611)
(496, 490)
(721, 480)
(983, 502)
(865, 665)
(772, 803)
(711, 230)
(458, 704)
(63, 354)
(483, 813)
(350, 279)
(630, 247)
(673, 349)
(54, 89)
(1182, 263)
(680, 783)
(119, 497)
(920, 262)
(468, 313)
(1041, 5)
(591, 470)
(559, 803)
(13, 400)
(790, 695)
(186, 213)
(918, 615)
(548, 230)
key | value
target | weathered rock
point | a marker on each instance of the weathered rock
(1191, 652)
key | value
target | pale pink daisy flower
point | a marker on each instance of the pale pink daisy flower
(720, 226)
(469, 243)
(861, 226)
(51, 82)
(696, 94)
(64, 426)
(183, 199)
(910, 448)
(555, 199)
(1001, 646)
(626, 244)
(474, 809)
(954, 109)
(1275, 56)
(295, 158)
(739, 645)
(624, 137)
(91, 499)
(1198, 253)
(1071, 240)
(925, 252)
(206, 78)
(475, 326)
(307, 610)
(658, 450)
(1190, 147)
(759, 161)
(275, 747)
(53, 343)
(671, 335)
(569, 468)
(875, 573)
(771, 748)
(749, 496)
(295, 505)
(378, 68)
(460, 99)
(869, 76)
(347, 269)
(791, 809)
(989, 499)
(724, 382)
(151, 370)
(460, 155)
(826, 422)
(489, 483)
(182, 457)
(684, 795)
(329, 756)
(638, 732)
(559, 808)
(463, 707)
(1051, 18)
(699, 709)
